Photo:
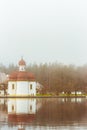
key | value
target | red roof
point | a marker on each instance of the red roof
(21, 76)
(22, 62)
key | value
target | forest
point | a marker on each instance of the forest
(56, 77)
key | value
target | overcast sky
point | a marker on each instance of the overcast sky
(43, 31)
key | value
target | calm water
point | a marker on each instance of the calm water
(43, 114)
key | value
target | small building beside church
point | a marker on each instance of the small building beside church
(21, 82)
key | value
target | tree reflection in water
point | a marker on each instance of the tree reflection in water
(61, 111)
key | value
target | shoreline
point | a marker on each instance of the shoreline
(43, 96)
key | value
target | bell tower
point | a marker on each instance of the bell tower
(22, 65)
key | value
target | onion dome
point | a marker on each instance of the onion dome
(22, 62)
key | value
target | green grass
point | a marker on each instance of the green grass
(43, 94)
(61, 95)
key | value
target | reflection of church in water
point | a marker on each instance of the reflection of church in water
(21, 111)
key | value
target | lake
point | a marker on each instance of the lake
(43, 114)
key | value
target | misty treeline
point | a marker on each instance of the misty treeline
(56, 77)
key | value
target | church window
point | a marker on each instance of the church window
(30, 107)
(12, 86)
(12, 107)
(30, 86)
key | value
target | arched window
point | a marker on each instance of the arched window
(30, 86)
(30, 107)
(12, 86)
(12, 107)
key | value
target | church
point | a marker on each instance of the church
(21, 83)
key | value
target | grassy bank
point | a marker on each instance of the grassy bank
(47, 96)
(61, 95)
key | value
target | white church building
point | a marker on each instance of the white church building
(21, 83)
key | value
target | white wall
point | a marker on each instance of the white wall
(33, 90)
(22, 88)
(11, 105)
(22, 106)
(32, 104)
(10, 90)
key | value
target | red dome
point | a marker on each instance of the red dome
(22, 62)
